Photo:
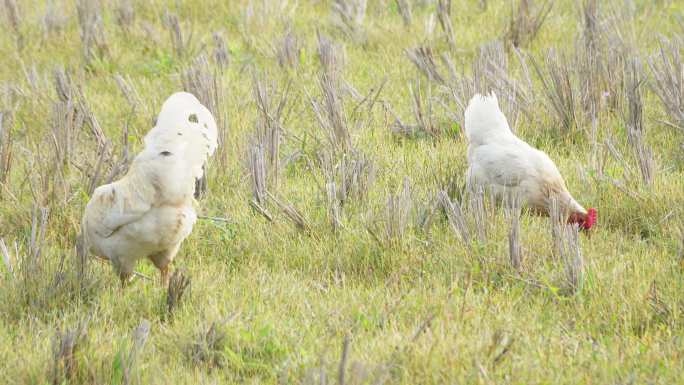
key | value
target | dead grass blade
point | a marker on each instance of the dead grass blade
(91, 26)
(405, 11)
(396, 216)
(635, 123)
(331, 56)
(289, 49)
(125, 14)
(269, 124)
(130, 92)
(423, 58)
(348, 16)
(14, 18)
(667, 68)
(444, 17)
(208, 347)
(455, 216)
(292, 214)
(567, 248)
(660, 310)
(513, 205)
(178, 284)
(221, 54)
(139, 337)
(6, 123)
(330, 115)
(558, 87)
(6, 257)
(423, 115)
(179, 42)
(54, 20)
(526, 20)
(66, 345)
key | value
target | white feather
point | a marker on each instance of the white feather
(149, 212)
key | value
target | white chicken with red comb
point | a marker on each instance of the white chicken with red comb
(502, 162)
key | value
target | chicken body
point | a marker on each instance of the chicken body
(502, 162)
(150, 211)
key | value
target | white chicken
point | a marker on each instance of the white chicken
(150, 211)
(500, 161)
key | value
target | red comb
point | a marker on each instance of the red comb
(590, 220)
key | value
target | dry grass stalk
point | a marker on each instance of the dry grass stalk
(668, 72)
(209, 346)
(444, 17)
(591, 33)
(82, 264)
(139, 337)
(342, 368)
(38, 227)
(572, 259)
(131, 94)
(179, 43)
(65, 346)
(405, 11)
(67, 91)
(120, 167)
(353, 174)
(422, 112)
(660, 310)
(92, 32)
(54, 20)
(221, 54)
(558, 88)
(423, 58)
(125, 14)
(455, 216)
(347, 176)
(490, 73)
(6, 257)
(526, 21)
(178, 284)
(635, 124)
(205, 83)
(567, 247)
(557, 222)
(348, 371)
(330, 115)
(257, 169)
(348, 15)
(397, 215)
(427, 214)
(513, 205)
(480, 204)
(288, 49)
(64, 86)
(66, 121)
(6, 122)
(330, 55)
(269, 125)
(14, 18)
(334, 205)
(291, 212)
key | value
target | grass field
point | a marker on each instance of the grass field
(341, 266)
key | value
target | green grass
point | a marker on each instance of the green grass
(427, 309)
